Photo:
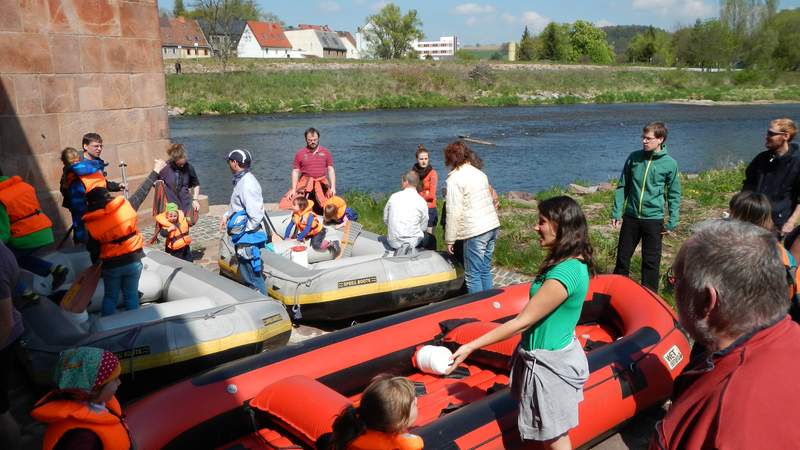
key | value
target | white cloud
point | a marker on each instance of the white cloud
(676, 9)
(604, 23)
(473, 8)
(377, 6)
(471, 21)
(534, 21)
(329, 7)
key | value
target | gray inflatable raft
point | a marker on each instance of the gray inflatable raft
(368, 277)
(189, 320)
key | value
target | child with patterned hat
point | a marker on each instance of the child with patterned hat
(83, 412)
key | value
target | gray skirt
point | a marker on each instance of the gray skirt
(548, 385)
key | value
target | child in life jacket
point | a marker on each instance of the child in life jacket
(337, 212)
(175, 227)
(305, 224)
(381, 420)
(80, 176)
(83, 412)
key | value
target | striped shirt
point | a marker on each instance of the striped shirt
(313, 164)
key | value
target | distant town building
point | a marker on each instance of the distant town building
(264, 40)
(316, 41)
(350, 44)
(183, 38)
(445, 48)
(511, 51)
(362, 42)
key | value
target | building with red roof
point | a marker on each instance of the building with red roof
(183, 38)
(264, 40)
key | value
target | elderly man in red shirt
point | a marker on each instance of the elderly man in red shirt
(313, 173)
(731, 296)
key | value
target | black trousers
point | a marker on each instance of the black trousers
(648, 231)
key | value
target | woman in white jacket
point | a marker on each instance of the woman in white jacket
(471, 215)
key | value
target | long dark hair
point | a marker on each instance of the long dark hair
(385, 406)
(572, 233)
(752, 207)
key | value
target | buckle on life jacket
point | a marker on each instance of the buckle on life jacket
(35, 213)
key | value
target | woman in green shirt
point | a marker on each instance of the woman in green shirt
(550, 366)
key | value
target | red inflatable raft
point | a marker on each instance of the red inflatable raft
(288, 398)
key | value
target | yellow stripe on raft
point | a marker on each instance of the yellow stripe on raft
(367, 289)
(143, 362)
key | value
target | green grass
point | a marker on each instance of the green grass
(255, 88)
(705, 196)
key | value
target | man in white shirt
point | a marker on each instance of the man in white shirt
(406, 214)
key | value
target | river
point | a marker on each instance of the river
(537, 147)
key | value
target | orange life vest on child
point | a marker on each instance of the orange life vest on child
(179, 237)
(340, 204)
(115, 228)
(792, 274)
(377, 440)
(64, 415)
(301, 220)
(24, 210)
(89, 181)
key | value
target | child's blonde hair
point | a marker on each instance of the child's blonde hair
(70, 156)
(385, 406)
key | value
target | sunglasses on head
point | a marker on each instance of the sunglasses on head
(771, 133)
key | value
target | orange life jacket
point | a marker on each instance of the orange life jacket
(179, 237)
(377, 440)
(339, 204)
(24, 210)
(301, 220)
(89, 181)
(115, 228)
(63, 415)
(792, 274)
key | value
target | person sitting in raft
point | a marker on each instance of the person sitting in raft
(305, 225)
(24, 228)
(80, 177)
(115, 240)
(83, 412)
(548, 399)
(174, 224)
(381, 420)
(337, 212)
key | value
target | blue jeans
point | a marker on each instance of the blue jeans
(123, 278)
(250, 278)
(478, 252)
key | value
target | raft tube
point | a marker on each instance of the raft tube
(189, 320)
(371, 279)
(289, 397)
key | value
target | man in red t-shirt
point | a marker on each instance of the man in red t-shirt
(315, 162)
(742, 393)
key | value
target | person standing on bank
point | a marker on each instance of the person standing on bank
(471, 215)
(548, 397)
(180, 179)
(427, 185)
(649, 177)
(243, 220)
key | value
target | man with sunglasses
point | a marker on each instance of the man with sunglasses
(775, 172)
(649, 185)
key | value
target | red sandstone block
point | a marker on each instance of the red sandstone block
(148, 89)
(134, 156)
(10, 19)
(65, 53)
(29, 94)
(139, 20)
(71, 128)
(116, 91)
(59, 93)
(156, 123)
(90, 92)
(25, 53)
(99, 17)
(116, 55)
(111, 125)
(34, 15)
(63, 18)
(91, 55)
(46, 169)
(7, 99)
(37, 134)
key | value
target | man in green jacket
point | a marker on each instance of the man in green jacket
(648, 179)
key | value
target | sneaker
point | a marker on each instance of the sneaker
(59, 275)
(27, 298)
(335, 248)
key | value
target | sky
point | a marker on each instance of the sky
(494, 22)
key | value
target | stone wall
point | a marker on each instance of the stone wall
(68, 67)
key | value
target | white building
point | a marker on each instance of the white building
(445, 48)
(350, 44)
(362, 43)
(264, 40)
(316, 41)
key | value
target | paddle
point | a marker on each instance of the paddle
(79, 295)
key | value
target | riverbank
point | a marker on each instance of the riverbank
(264, 87)
(704, 196)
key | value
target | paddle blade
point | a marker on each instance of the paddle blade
(79, 295)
